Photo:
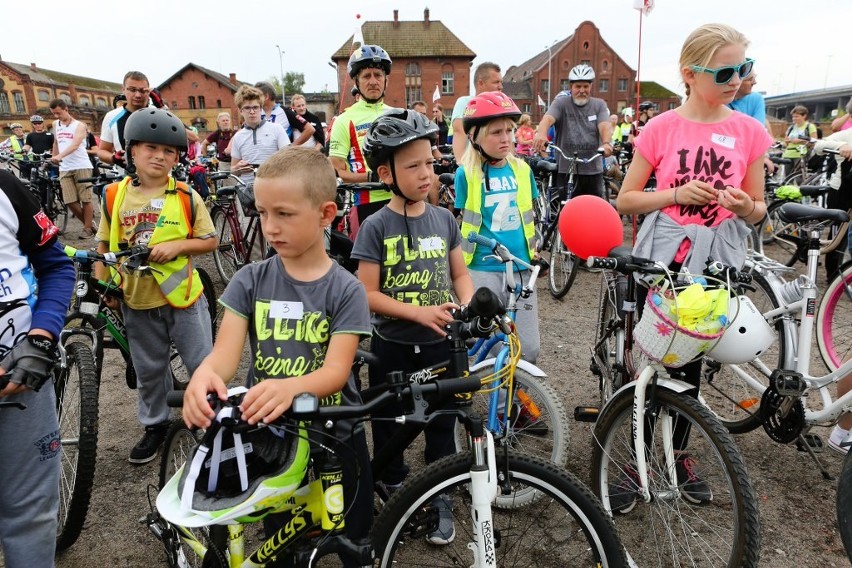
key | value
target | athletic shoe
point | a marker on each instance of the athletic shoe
(692, 487)
(623, 495)
(837, 436)
(387, 489)
(146, 448)
(446, 530)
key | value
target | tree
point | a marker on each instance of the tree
(293, 83)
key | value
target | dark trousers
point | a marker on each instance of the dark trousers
(583, 184)
(440, 436)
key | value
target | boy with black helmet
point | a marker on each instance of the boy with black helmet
(368, 67)
(164, 305)
(411, 265)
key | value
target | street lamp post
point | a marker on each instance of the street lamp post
(549, 62)
(281, 66)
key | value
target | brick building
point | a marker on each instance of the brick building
(197, 95)
(425, 54)
(26, 90)
(546, 73)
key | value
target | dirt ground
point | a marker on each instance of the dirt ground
(797, 505)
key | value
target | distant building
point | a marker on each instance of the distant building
(26, 90)
(820, 103)
(197, 95)
(546, 74)
(425, 54)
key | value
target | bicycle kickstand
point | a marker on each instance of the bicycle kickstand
(804, 442)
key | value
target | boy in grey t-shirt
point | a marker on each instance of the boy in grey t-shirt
(303, 314)
(411, 264)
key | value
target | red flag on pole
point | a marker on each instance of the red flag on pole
(644, 6)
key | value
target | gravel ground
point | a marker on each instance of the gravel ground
(796, 503)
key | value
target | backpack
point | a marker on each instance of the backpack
(183, 190)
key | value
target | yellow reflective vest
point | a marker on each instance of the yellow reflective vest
(472, 217)
(178, 280)
(17, 147)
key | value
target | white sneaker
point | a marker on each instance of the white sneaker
(836, 438)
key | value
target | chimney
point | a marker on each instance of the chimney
(233, 78)
(33, 67)
(426, 18)
(396, 18)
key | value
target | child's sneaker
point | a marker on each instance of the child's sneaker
(837, 436)
(623, 495)
(146, 448)
(446, 530)
(692, 487)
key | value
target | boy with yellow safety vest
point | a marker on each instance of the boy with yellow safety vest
(164, 305)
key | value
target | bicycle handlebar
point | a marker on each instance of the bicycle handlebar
(598, 154)
(507, 258)
(629, 263)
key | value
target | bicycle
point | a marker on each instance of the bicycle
(639, 474)
(568, 526)
(44, 183)
(237, 224)
(775, 395)
(563, 263)
(536, 423)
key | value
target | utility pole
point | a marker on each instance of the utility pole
(281, 65)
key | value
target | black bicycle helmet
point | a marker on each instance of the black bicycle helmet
(393, 129)
(645, 105)
(368, 56)
(154, 125)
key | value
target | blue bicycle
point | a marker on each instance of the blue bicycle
(535, 422)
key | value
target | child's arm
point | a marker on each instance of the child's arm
(215, 371)
(462, 282)
(269, 399)
(170, 250)
(433, 317)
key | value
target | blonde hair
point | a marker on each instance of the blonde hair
(297, 97)
(305, 166)
(703, 43)
(472, 159)
(525, 119)
(247, 93)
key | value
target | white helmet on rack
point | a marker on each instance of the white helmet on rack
(581, 72)
(746, 337)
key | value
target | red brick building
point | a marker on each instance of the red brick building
(425, 54)
(197, 95)
(546, 73)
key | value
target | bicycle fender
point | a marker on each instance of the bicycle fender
(525, 365)
(675, 385)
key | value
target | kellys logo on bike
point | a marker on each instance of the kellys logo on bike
(332, 496)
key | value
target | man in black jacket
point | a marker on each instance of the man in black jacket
(300, 107)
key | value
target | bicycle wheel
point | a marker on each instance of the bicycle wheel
(180, 374)
(176, 446)
(671, 530)
(568, 528)
(773, 229)
(59, 209)
(735, 402)
(545, 437)
(77, 406)
(834, 320)
(563, 268)
(225, 256)
(844, 505)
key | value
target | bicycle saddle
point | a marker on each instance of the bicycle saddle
(447, 179)
(545, 166)
(797, 213)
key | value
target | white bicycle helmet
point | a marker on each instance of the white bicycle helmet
(746, 337)
(239, 476)
(581, 72)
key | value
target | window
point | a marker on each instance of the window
(413, 91)
(218, 103)
(4, 103)
(44, 96)
(564, 85)
(622, 85)
(447, 81)
(672, 106)
(544, 87)
(67, 98)
(586, 62)
(413, 94)
(191, 102)
(101, 102)
(527, 108)
(174, 104)
(605, 65)
(20, 107)
(603, 86)
(585, 45)
(201, 103)
(85, 100)
(412, 69)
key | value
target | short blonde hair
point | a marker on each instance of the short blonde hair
(525, 119)
(297, 97)
(703, 43)
(305, 166)
(247, 93)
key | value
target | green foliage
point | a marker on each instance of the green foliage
(293, 83)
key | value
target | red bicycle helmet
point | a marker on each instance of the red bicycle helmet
(485, 107)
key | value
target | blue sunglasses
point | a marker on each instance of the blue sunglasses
(722, 75)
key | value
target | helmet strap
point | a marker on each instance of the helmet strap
(405, 203)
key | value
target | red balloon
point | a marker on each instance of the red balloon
(590, 226)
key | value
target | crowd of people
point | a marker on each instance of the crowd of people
(416, 266)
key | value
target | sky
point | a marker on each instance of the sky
(793, 42)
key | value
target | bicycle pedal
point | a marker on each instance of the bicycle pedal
(586, 413)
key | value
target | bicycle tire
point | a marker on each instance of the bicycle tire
(225, 255)
(725, 531)
(834, 319)
(77, 408)
(844, 505)
(552, 447)
(180, 374)
(563, 268)
(60, 210)
(735, 403)
(609, 333)
(179, 440)
(773, 229)
(569, 528)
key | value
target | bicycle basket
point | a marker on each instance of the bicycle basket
(246, 196)
(680, 323)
